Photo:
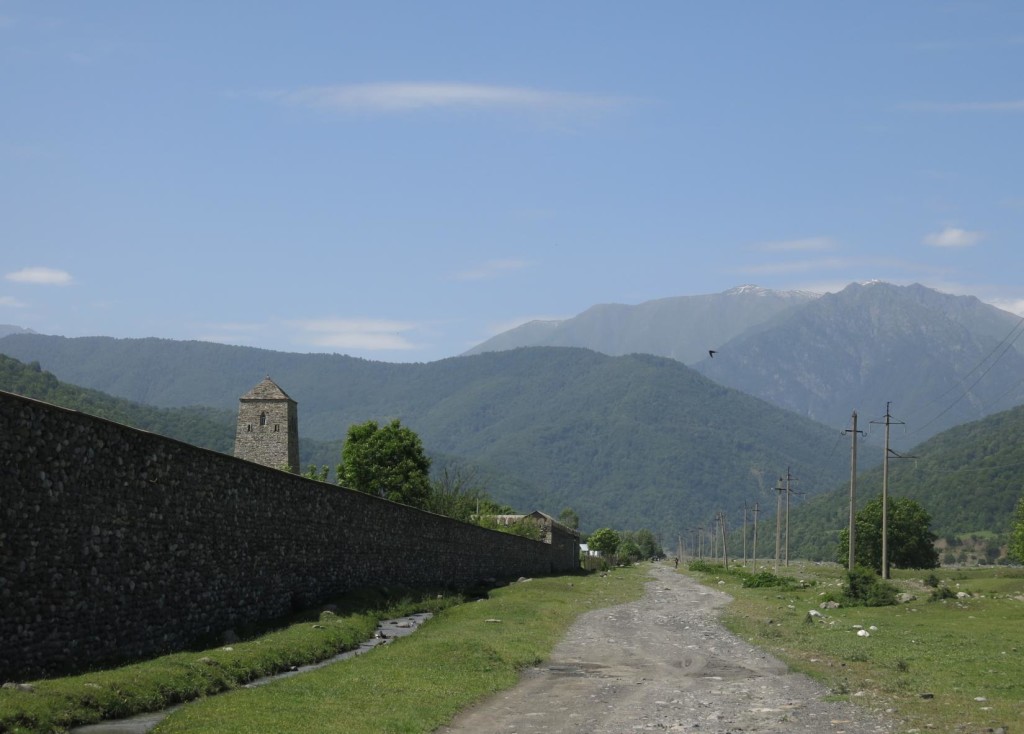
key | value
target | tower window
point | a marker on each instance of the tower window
(276, 428)
(263, 419)
(248, 428)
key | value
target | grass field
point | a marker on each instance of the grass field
(953, 665)
(413, 684)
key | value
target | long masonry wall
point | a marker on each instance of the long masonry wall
(118, 544)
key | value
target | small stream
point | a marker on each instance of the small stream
(387, 630)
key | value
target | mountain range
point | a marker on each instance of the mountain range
(627, 439)
(940, 359)
(632, 441)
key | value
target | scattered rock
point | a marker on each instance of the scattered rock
(23, 687)
(905, 597)
(863, 633)
(962, 595)
(493, 621)
(829, 605)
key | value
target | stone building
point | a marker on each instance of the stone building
(268, 427)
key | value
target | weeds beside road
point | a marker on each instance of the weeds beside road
(954, 664)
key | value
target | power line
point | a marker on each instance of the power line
(999, 350)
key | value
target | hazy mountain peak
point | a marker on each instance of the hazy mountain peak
(6, 329)
(681, 327)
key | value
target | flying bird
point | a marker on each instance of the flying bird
(711, 353)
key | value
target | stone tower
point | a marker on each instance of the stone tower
(268, 427)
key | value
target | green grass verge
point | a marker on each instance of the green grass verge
(56, 704)
(418, 683)
(950, 665)
(412, 684)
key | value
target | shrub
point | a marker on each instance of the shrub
(932, 580)
(942, 592)
(865, 588)
(767, 579)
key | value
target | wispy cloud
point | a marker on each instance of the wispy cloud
(953, 237)
(1013, 305)
(1013, 105)
(410, 96)
(40, 276)
(358, 333)
(12, 302)
(491, 269)
(808, 244)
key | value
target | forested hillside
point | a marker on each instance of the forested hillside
(209, 428)
(969, 479)
(633, 441)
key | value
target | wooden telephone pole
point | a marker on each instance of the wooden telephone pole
(885, 488)
(779, 489)
(753, 563)
(853, 493)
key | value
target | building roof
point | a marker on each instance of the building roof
(266, 390)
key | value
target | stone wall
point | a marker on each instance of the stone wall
(118, 544)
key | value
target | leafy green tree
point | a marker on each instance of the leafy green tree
(648, 544)
(458, 492)
(604, 540)
(1016, 549)
(569, 518)
(628, 551)
(911, 542)
(318, 473)
(386, 461)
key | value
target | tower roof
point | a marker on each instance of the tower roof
(266, 390)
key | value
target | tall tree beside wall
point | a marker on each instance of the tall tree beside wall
(1017, 533)
(386, 461)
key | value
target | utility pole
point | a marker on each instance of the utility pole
(725, 544)
(885, 490)
(789, 491)
(744, 534)
(753, 563)
(779, 489)
(853, 492)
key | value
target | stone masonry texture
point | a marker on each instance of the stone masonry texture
(118, 544)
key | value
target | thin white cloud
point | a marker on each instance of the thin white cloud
(1013, 305)
(11, 302)
(370, 334)
(807, 244)
(1013, 105)
(491, 269)
(953, 237)
(409, 96)
(40, 276)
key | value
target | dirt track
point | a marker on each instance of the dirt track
(663, 663)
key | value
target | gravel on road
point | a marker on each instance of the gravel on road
(663, 663)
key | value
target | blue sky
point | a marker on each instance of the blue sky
(402, 180)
